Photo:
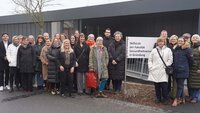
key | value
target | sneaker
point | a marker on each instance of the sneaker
(194, 101)
(103, 95)
(63, 95)
(1, 88)
(7, 87)
(57, 92)
(98, 95)
(72, 96)
(53, 92)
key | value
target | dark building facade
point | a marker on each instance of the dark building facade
(133, 18)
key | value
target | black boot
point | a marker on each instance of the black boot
(72, 96)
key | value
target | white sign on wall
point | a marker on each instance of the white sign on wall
(139, 47)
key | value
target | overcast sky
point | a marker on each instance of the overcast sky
(8, 8)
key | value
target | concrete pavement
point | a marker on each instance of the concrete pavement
(40, 102)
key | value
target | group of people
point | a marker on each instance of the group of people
(182, 54)
(59, 64)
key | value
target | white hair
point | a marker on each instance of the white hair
(14, 37)
(99, 38)
(91, 35)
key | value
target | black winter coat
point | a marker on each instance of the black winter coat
(53, 69)
(38, 63)
(82, 55)
(182, 61)
(26, 59)
(116, 52)
(3, 62)
(107, 41)
(62, 58)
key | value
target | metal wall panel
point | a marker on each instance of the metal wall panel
(23, 29)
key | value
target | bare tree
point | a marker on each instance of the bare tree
(34, 9)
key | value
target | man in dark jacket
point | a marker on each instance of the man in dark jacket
(107, 40)
(4, 62)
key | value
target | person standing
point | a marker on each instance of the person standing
(183, 60)
(91, 40)
(44, 60)
(4, 68)
(11, 55)
(26, 63)
(157, 73)
(172, 89)
(66, 62)
(77, 35)
(18, 76)
(63, 37)
(53, 69)
(107, 40)
(31, 40)
(72, 41)
(46, 36)
(194, 77)
(82, 51)
(38, 64)
(116, 51)
(164, 35)
(98, 62)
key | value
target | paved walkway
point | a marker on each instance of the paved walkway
(40, 102)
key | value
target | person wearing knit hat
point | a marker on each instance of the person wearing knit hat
(91, 40)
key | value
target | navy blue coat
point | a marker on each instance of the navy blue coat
(182, 61)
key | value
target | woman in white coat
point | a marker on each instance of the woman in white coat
(157, 73)
(11, 55)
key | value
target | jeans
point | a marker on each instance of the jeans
(180, 87)
(40, 80)
(102, 85)
(194, 93)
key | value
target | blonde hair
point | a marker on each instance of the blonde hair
(173, 36)
(14, 37)
(160, 39)
(70, 50)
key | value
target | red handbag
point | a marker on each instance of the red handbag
(91, 79)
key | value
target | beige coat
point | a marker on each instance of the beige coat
(93, 61)
(44, 60)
